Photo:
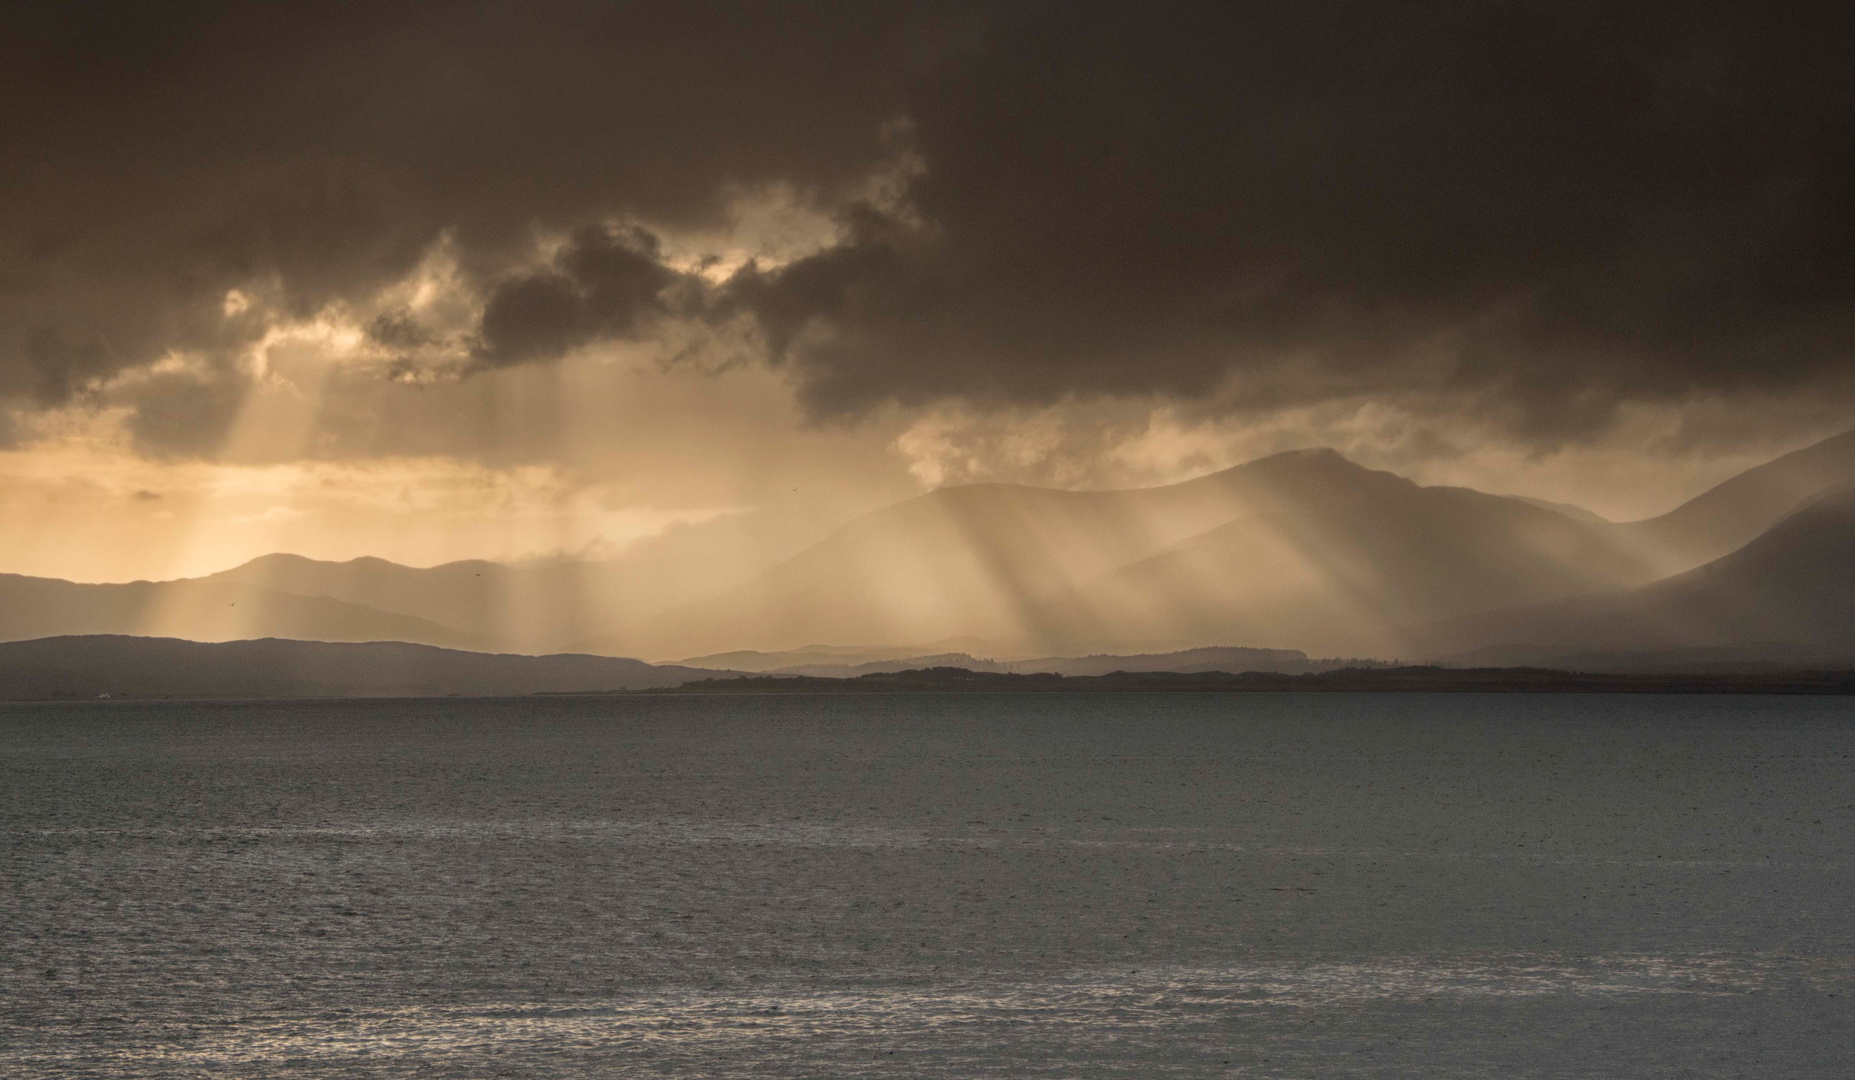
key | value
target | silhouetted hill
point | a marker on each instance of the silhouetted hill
(1185, 661)
(844, 656)
(203, 611)
(846, 662)
(122, 666)
(1744, 658)
(869, 667)
(1388, 679)
(1792, 591)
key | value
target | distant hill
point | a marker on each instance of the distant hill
(1791, 592)
(1423, 679)
(542, 605)
(202, 610)
(1734, 513)
(1741, 658)
(531, 607)
(1186, 661)
(957, 561)
(1304, 550)
(1343, 579)
(871, 667)
(849, 662)
(86, 667)
(464, 596)
(807, 656)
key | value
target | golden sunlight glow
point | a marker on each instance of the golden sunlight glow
(192, 518)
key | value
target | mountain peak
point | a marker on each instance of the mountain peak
(1312, 455)
(1314, 459)
(1319, 472)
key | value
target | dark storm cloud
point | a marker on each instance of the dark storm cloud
(1570, 204)
(602, 284)
(58, 367)
(1544, 208)
(154, 156)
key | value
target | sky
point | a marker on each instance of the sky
(510, 280)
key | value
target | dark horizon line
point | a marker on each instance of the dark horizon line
(1407, 678)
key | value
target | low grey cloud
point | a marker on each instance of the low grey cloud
(1540, 211)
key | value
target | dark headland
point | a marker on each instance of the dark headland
(124, 667)
(1411, 679)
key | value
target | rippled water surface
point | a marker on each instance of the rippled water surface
(931, 885)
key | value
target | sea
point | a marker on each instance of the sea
(931, 885)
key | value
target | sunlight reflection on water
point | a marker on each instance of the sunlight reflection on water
(1099, 887)
(1104, 1006)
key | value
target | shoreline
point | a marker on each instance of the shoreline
(1413, 679)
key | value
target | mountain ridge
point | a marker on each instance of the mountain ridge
(1736, 511)
(1792, 588)
(1005, 561)
(1303, 549)
(1382, 575)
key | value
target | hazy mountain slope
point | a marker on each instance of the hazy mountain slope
(533, 607)
(1568, 509)
(460, 594)
(965, 560)
(1034, 566)
(85, 667)
(1793, 586)
(1732, 514)
(1303, 549)
(1343, 581)
(545, 604)
(201, 610)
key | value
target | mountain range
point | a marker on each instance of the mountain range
(1790, 593)
(1302, 550)
(1299, 551)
